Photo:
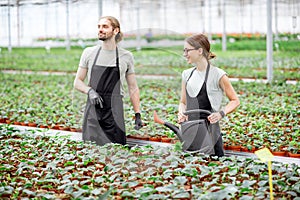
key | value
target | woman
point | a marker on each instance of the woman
(204, 86)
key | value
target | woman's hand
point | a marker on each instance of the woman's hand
(181, 117)
(214, 117)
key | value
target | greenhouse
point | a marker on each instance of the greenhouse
(54, 137)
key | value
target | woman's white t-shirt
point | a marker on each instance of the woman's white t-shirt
(214, 91)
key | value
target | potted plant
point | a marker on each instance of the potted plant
(277, 150)
(167, 136)
(294, 149)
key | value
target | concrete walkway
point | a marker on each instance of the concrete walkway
(132, 142)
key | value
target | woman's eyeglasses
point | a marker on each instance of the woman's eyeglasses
(186, 51)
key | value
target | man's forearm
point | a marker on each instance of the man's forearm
(81, 86)
(135, 100)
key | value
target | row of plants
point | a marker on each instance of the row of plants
(157, 35)
(168, 60)
(257, 36)
(268, 115)
(62, 39)
(41, 101)
(35, 166)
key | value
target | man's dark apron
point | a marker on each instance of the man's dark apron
(201, 101)
(105, 125)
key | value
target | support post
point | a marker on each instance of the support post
(269, 42)
(224, 48)
(68, 47)
(100, 4)
(209, 21)
(9, 28)
(138, 33)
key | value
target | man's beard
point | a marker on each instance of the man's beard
(106, 36)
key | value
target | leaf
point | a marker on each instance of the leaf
(167, 174)
(263, 183)
(6, 190)
(46, 196)
(113, 177)
(127, 194)
(29, 192)
(181, 195)
(215, 188)
(166, 189)
(96, 191)
(205, 170)
(292, 193)
(145, 191)
(221, 194)
(28, 185)
(233, 171)
(131, 166)
(248, 183)
(85, 187)
(180, 180)
(118, 161)
(106, 168)
(231, 189)
(5, 167)
(245, 190)
(212, 164)
(131, 184)
(245, 176)
(78, 193)
(246, 197)
(296, 187)
(189, 171)
(293, 179)
(69, 189)
(208, 184)
(156, 196)
(75, 182)
(69, 163)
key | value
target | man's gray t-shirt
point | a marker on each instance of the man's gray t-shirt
(214, 91)
(107, 58)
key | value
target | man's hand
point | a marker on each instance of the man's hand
(138, 122)
(95, 98)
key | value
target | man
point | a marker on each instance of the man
(107, 67)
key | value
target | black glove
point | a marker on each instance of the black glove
(138, 122)
(95, 98)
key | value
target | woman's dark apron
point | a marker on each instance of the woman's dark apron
(105, 125)
(201, 101)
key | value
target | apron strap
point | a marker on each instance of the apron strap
(96, 58)
(117, 57)
(190, 75)
(207, 71)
